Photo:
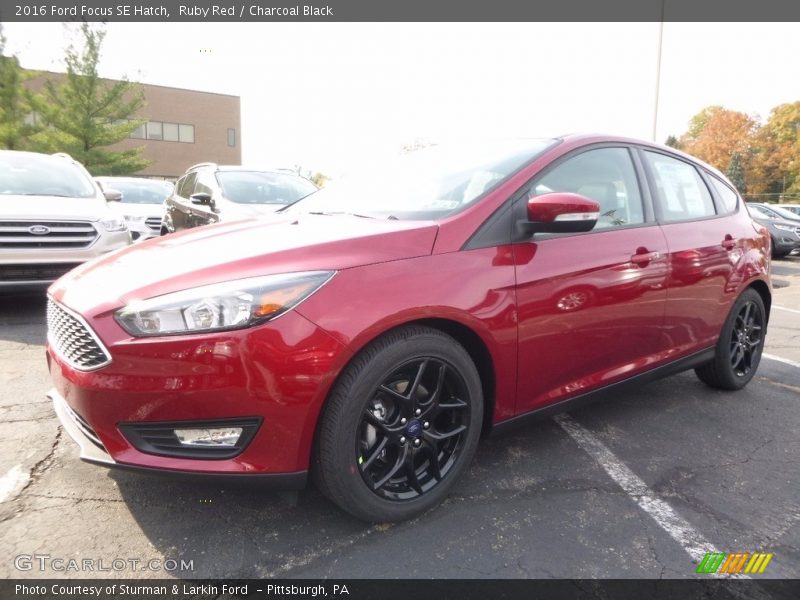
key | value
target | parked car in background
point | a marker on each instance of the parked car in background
(374, 331)
(208, 193)
(775, 211)
(793, 208)
(785, 234)
(141, 203)
(53, 217)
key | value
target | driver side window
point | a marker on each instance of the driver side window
(607, 176)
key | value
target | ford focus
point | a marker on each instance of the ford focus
(371, 333)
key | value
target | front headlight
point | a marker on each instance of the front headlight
(785, 227)
(221, 306)
(114, 224)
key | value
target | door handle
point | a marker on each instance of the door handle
(729, 243)
(643, 257)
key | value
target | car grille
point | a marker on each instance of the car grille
(36, 272)
(153, 223)
(73, 340)
(49, 234)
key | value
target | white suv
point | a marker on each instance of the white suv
(53, 217)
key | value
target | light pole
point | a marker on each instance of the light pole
(658, 68)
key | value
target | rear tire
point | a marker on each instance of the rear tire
(738, 351)
(400, 426)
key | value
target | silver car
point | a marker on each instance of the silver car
(140, 202)
(53, 217)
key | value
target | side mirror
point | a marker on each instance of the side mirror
(201, 199)
(561, 212)
(112, 195)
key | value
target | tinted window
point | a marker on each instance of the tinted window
(28, 174)
(605, 175)
(204, 183)
(728, 197)
(186, 185)
(682, 192)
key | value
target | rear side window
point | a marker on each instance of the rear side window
(605, 175)
(681, 191)
(727, 196)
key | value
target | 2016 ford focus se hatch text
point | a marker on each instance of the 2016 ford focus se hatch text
(370, 333)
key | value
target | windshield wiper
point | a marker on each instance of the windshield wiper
(340, 212)
(280, 210)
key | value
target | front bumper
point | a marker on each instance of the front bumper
(93, 451)
(279, 373)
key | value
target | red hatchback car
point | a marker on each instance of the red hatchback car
(372, 332)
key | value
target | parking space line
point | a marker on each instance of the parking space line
(678, 528)
(791, 310)
(786, 361)
(15, 479)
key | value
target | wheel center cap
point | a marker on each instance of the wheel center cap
(414, 428)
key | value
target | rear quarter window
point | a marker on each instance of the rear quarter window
(682, 193)
(728, 198)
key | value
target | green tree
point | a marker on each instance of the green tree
(778, 159)
(715, 134)
(673, 142)
(16, 113)
(85, 114)
(735, 173)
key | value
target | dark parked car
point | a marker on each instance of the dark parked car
(208, 193)
(141, 203)
(371, 333)
(773, 210)
(785, 234)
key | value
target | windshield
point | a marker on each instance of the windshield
(786, 214)
(261, 187)
(426, 184)
(139, 191)
(30, 174)
(757, 211)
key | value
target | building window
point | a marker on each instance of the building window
(231, 137)
(140, 132)
(155, 130)
(171, 132)
(168, 132)
(186, 133)
(32, 118)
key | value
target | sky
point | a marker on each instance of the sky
(335, 97)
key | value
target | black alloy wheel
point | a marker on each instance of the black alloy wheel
(413, 429)
(400, 425)
(738, 351)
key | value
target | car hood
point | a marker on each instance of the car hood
(137, 210)
(236, 250)
(768, 222)
(52, 208)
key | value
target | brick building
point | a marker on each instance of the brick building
(184, 127)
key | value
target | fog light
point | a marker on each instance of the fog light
(216, 436)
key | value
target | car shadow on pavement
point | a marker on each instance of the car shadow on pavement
(22, 317)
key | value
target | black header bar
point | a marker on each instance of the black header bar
(400, 10)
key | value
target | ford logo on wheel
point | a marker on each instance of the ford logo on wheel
(39, 229)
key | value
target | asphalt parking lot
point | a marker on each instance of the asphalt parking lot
(629, 487)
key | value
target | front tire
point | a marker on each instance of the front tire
(738, 351)
(400, 426)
